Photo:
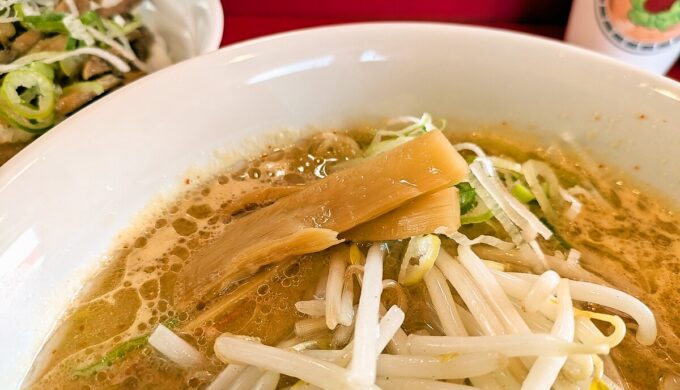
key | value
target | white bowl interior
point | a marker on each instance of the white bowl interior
(64, 199)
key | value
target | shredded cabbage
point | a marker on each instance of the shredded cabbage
(77, 29)
(520, 223)
(49, 57)
(385, 140)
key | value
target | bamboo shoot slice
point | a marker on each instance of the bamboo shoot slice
(261, 197)
(438, 212)
(322, 209)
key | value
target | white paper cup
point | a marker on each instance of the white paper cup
(627, 30)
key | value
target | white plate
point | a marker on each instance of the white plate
(64, 199)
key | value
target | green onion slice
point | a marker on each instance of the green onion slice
(419, 258)
(28, 93)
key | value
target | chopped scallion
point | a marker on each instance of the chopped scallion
(522, 193)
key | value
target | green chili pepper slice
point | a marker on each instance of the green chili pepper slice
(28, 93)
(522, 193)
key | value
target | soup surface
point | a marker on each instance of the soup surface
(628, 237)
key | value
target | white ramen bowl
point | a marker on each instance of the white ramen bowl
(65, 198)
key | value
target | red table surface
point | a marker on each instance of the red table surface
(245, 19)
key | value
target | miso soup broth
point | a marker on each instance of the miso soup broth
(502, 261)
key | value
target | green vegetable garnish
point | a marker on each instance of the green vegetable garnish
(522, 193)
(71, 44)
(171, 322)
(384, 146)
(29, 125)
(120, 351)
(113, 356)
(18, 10)
(91, 18)
(93, 87)
(48, 22)
(40, 107)
(71, 66)
(558, 237)
(472, 218)
(385, 140)
(42, 68)
(134, 24)
(467, 196)
(28, 97)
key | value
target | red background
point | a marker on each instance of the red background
(244, 19)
